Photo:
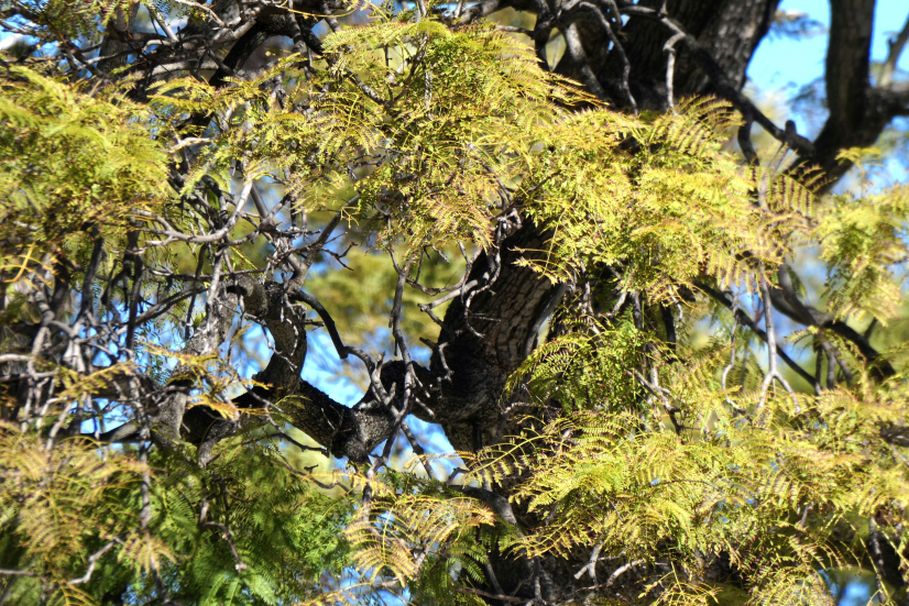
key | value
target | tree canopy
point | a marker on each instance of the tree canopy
(618, 334)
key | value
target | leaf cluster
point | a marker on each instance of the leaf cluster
(74, 167)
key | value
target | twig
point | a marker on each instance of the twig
(496, 596)
(579, 55)
(717, 76)
(93, 562)
(175, 236)
(626, 64)
(622, 570)
(669, 49)
(206, 9)
(773, 371)
(741, 317)
(591, 567)
(896, 44)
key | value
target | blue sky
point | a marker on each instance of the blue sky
(780, 68)
(780, 61)
(783, 66)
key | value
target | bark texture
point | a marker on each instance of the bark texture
(636, 56)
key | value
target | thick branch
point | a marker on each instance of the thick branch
(854, 120)
(487, 332)
(345, 431)
(897, 45)
(786, 301)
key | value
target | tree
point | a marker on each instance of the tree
(550, 228)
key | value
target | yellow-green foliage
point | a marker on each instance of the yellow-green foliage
(658, 198)
(776, 494)
(421, 136)
(404, 526)
(424, 125)
(864, 242)
(66, 18)
(434, 132)
(59, 505)
(73, 166)
(210, 378)
(429, 133)
(458, 109)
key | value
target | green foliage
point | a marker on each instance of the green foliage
(235, 543)
(586, 369)
(213, 534)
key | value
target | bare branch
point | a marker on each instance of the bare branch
(896, 44)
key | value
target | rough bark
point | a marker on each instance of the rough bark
(490, 328)
(487, 332)
(858, 110)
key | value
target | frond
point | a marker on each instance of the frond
(864, 242)
(698, 128)
(395, 533)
